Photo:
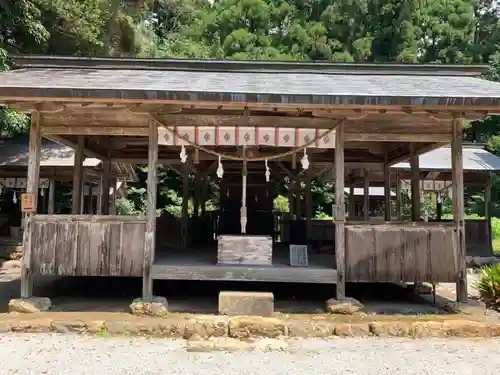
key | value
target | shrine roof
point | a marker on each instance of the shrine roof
(475, 158)
(304, 83)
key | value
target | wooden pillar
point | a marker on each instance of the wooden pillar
(291, 201)
(351, 202)
(487, 209)
(197, 195)
(243, 210)
(439, 206)
(458, 208)
(150, 237)
(340, 211)
(366, 195)
(185, 200)
(415, 184)
(90, 205)
(399, 209)
(204, 194)
(112, 203)
(387, 189)
(106, 175)
(76, 204)
(308, 207)
(32, 183)
(52, 197)
(99, 196)
(298, 197)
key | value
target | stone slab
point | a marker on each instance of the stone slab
(245, 250)
(30, 305)
(246, 303)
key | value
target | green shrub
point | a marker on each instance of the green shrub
(488, 286)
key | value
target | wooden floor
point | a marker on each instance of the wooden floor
(201, 264)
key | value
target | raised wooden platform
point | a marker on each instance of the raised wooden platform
(201, 264)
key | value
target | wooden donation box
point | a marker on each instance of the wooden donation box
(245, 250)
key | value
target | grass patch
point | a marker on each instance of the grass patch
(496, 246)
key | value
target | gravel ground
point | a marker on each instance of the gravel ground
(54, 355)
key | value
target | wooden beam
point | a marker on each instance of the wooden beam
(150, 237)
(458, 208)
(397, 137)
(94, 130)
(32, 183)
(78, 177)
(340, 212)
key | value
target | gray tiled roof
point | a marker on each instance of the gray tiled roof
(14, 153)
(475, 159)
(250, 86)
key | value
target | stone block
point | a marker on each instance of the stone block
(156, 307)
(346, 306)
(306, 328)
(246, 303)
(257, 326)
(207, 326)
(30, 305)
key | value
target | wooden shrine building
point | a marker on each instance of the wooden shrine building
(239, 124)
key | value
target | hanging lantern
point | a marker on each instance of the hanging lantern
(14, 197)
(305, 160)
(220, 170)
(183, 154)
(268, 172)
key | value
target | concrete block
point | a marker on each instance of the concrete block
(246, 303)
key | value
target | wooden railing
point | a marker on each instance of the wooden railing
(85, 245)
(401, 253)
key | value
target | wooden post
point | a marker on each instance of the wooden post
(351, 202)
(439, 206)
(487, 209)
(112, 204)
(308, 207)
(150, 237)
(90, 205)
(76, 204)
(243, 210)
(99, 196)
(298, 197)
(458, 208)
(387, 189)
(196, 195)
(32, 183)
(291, 200)
(366, 195)
(106, 175)
(52, 197)
(399, 210)
(340, 211)
(185, 199)
(415, 184)
(204, 193)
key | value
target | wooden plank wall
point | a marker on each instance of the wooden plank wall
(85, 245)
(395, 253)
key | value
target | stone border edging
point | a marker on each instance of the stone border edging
(243, 327)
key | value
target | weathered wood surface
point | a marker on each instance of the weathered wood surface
(401, 253)
(84, 245)
(245, 250)
(339, 212)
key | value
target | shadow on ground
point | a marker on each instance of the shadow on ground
(115, 294)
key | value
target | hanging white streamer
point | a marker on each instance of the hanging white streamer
(305, 160)
(268, 172)
(220, 170)
(183, 154)
(14, 197)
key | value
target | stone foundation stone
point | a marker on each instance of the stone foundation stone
(346, 306)
(246, 303)
(156, 307)
(30, 305)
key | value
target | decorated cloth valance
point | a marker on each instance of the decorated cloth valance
(244, 136)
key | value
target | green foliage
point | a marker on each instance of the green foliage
(488, 286)
(281, 204)
(125, 206)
